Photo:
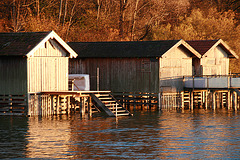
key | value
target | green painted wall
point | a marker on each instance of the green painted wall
(13, 75)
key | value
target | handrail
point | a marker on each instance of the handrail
(119, 103)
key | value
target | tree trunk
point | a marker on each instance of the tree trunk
(70, 20)
(134, 20)
(123, 4)
(65, 11)
(38, 8)
(98, 11)
(60, 12)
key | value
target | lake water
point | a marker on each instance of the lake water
(198, 134)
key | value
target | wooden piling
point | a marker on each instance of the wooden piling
(214, 100)
(191, 100)
(235, 101)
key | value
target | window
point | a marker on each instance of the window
(146, 66)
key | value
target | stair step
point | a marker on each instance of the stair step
(101, 95)
(103, 98)
(109, 101)
(119, 111)
(118, 108)
(108, 105)
(123, 114)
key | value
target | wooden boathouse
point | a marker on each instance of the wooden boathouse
(211, 85)
(34, 78)
(35, 68)
(215, 55)
(157, 71)
(31, 62)
(135, 70)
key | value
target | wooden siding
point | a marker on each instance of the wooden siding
(47, 74)
(48, 68)
(50, 48)
(216, 62)
(173, 66)
(13, 76)
(119, 74)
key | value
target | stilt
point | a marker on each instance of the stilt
(89, 106)
(191, 100)
(229, 100)
(218, 99)
(235, 101)
(214, 100)
(182, 95)
(206, 100)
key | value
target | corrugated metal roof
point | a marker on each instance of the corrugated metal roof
(122, 49)
(202, 46)
(20, 43)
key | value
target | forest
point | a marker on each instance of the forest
(127, 20)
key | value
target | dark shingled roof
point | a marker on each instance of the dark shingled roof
(19, 44)
(122, 49)
(202, 46)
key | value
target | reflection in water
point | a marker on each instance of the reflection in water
(201, 134)
(13, 131)
(48, 137)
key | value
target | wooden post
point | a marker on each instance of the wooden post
(235, 101)
(90, 106)
(159, 101)
(206, 100)
(214, 100)
(217, 100)
(68, 105)
(182, 96)
(97, 78)
(191, 100)
(73, 85)
(229, 100)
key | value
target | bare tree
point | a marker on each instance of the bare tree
(60, 12)
(123, 4)
(15, 16)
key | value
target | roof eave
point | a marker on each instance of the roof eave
(185, 44)
(220, 41)
(52, 35)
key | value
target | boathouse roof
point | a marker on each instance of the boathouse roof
(128, 49)
(204, 46)
(26, 43)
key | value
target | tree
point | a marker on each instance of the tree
(201, 26)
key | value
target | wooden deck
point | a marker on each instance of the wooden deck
(212, 92)
(66, 102)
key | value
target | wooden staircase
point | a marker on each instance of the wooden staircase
(106, 103)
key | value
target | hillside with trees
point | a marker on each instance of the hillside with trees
(127, 20)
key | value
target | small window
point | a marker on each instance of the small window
(146, 66)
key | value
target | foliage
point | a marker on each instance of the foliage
(200, 25)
